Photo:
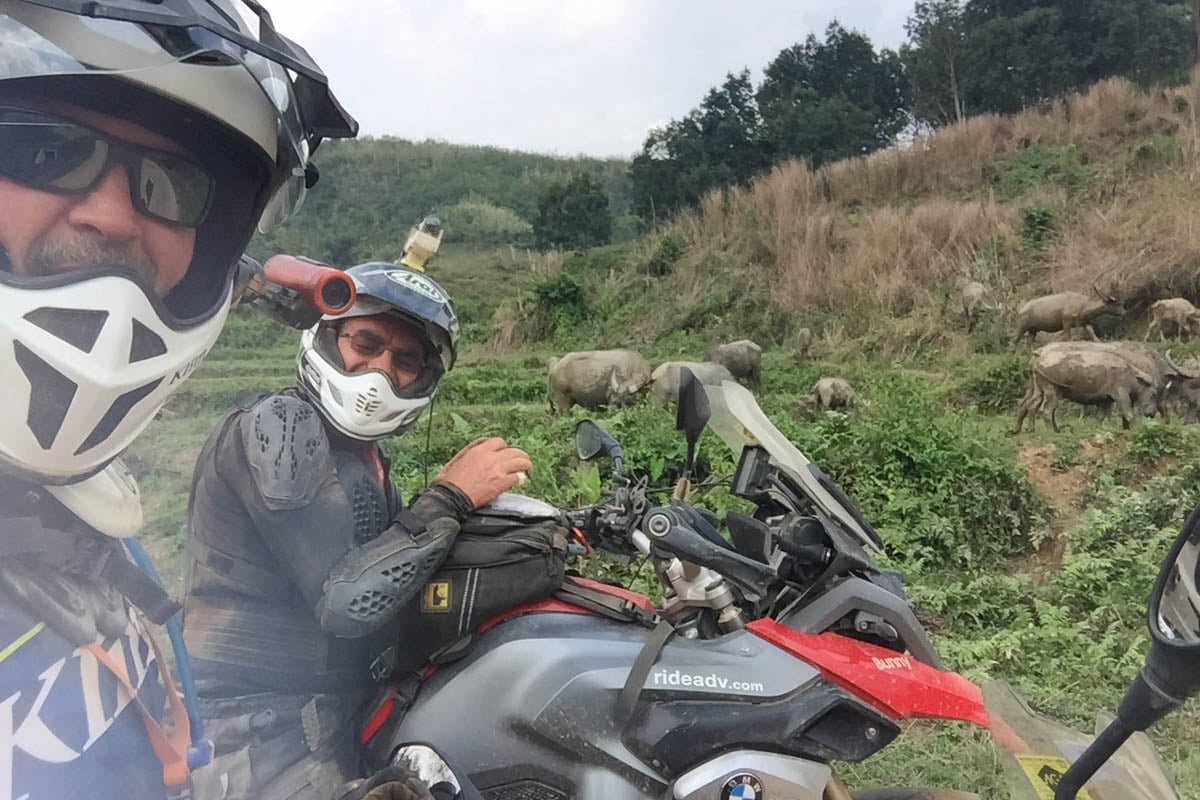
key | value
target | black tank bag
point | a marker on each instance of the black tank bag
(508, 553)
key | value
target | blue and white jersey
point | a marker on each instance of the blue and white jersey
(67, 726)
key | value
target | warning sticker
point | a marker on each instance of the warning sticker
(436, 599)
(1044, 772)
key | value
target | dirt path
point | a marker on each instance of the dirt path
(1061, 489)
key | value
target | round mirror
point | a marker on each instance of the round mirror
(589, 440)
(1175, 605)
(1173, 663)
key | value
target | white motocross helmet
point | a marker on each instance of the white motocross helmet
(88, 356)
(366, 405)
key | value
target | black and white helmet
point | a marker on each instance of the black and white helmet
(87, 357)
(366, 405)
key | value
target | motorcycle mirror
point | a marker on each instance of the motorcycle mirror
(591, 440)
(1172, 670)
(691, 415)
(1173, 663)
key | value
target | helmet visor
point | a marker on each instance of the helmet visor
(231, 87)
(40, 42)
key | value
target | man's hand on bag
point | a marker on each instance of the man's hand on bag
(486, 468)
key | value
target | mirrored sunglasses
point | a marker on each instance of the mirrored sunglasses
(57, 155)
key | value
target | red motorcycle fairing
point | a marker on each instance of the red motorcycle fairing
(898, 685)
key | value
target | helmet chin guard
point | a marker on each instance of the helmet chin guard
(93, 360)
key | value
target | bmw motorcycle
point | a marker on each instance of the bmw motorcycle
(772, 654)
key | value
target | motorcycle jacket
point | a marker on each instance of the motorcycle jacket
(299, 550)
(70, 725)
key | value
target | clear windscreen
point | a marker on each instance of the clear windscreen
(1036, 751)
(737, 419)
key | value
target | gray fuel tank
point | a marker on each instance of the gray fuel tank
(531, 706)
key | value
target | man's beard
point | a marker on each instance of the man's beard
(58, 256)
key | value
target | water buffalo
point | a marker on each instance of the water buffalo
(664, 383)
(1064, 312)
(833, 393)
(1175, 315)
(742, 358)
(976, 299)
(1088, 374)
(804, 341)
(595, 378)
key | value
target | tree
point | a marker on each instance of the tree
(933, 61)
(717, 144)
(823, 101)
(1023, 52)
(573, 215)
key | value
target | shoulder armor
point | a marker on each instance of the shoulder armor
(287, 449)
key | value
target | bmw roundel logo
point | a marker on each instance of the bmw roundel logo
(743, 786)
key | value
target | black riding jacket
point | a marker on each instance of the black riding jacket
(280, 501)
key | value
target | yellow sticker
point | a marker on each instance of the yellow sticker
(1044, 772)
(436, 599)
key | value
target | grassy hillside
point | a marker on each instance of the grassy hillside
(372, 190)
(1094, 189)
(1029, 558)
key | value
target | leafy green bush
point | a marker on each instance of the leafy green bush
(1039, 226)
(1152, 440)
(561, 299)
(999, 387)
(476, 219)
(670, 248)
(1042, 165)
(936, 485)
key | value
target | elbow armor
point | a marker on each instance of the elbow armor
(374, 580)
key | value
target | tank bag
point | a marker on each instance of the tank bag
(494, 564)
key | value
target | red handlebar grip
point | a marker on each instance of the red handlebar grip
(326, 289)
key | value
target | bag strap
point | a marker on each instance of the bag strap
(605, 604)
(171, 746)
(90, 553)
(627, 699)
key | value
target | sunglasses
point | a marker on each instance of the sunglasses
(370, 345)
(57, 155)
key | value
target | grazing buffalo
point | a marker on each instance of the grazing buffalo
(595, 378)
(742, 358)
(1064, 311)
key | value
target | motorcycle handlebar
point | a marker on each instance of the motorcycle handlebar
(293, 290)
(318, 285)
(670, 530)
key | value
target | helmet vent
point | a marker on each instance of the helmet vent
(115, 414)
(78, 327)
(145, 344)
(50, 396)
(367, 402)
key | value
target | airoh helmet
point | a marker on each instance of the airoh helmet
(367, 405)
(88, 356)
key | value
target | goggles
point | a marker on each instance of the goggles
(53, 154)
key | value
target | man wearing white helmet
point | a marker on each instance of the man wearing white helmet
(140, 143)
(300, 548)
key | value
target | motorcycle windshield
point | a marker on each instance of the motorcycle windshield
(1036, 751)
(736, 417)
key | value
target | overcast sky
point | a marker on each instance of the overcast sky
(552, 76)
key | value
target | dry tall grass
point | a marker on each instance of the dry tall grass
(893, 232)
